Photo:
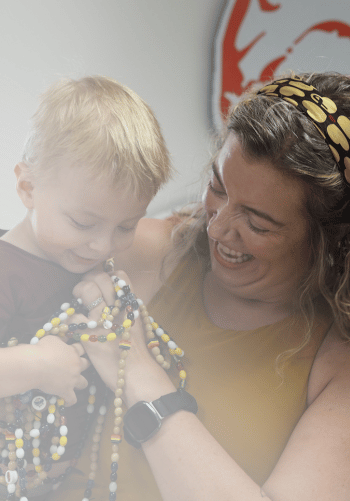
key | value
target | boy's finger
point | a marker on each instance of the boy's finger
(105, 284)
(79, 348)
(84, 363)
(70, 399)
(82, 383)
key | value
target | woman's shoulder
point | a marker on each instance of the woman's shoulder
(332, 363)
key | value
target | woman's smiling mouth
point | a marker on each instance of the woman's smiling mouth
(229, 255)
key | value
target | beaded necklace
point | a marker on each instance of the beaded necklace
(24, 441)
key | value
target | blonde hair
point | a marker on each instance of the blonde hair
(100, 124)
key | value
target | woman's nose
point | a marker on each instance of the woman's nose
(222, 225)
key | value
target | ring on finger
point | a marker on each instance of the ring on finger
(95, 303)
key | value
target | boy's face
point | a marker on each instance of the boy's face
(77, 221)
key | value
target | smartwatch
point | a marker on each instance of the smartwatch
(144, 419)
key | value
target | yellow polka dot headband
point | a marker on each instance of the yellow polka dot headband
(334, 127)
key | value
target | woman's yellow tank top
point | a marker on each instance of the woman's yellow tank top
(243, 400)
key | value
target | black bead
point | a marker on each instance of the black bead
(135, 305)
(114, 466)
(113, 476)
(112, 496)
(47, 466)
(62, 477)
(11, 428)
(69, 470)
(54, 480)
(130, 316)
(47, 480)
(11, 497)
(82, 325)
(3, 424)
(20, 463)
(91, 484)
(73, 327)
(22, 482)
(126, 289)
(24, 491)
(61, 410)
(87, 493)
(131, 297)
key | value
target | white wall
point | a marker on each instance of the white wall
(159, 48)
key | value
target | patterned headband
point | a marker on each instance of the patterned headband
(333, 127)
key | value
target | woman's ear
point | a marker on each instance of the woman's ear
(24, 184)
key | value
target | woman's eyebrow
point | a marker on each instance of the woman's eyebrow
(216, 174)
(263, 215)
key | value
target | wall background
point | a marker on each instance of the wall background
(160, 48)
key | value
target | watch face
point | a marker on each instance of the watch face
(141, 421)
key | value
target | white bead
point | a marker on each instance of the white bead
(172, 345)
(25, 463)
(92, 389)
(34, 340)
(85, 499)
(50, 418)
(11, 476)
(102, 410)
(36, 461)
(63, 316)
(4, 453)
(47, 327)
(80, 301)
(20, 453)
(121, 283)
(19, 433)
(107, 324)
(159, 331)
(36, 425)
(113, 487)
(53, 400)
(53, 449)
(90, 408)
(140, 302)
(120, 293)
(23, 498)
(61, 450)
(34, 433)
(65, 306)
(136, 314)
(36, 443)
(92, 324)
(151, 319)
(11, 488)
(63, 430)
(113, 278)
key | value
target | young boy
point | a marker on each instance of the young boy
(93, 162)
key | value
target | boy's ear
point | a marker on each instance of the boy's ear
(24, 184)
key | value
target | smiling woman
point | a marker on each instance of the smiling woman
(254, 286)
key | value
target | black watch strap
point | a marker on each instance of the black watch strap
(176, 401)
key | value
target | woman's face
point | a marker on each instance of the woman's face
(257, 226)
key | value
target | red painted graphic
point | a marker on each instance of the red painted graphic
(229, 77)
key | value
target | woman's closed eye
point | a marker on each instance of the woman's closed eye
(218, 191)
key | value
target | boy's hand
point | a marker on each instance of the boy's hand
(59, 367)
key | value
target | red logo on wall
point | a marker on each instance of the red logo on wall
(258, 39)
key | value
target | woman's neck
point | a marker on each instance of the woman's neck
(229, 311)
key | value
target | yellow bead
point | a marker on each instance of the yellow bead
(55, 456)
(171, 351)
(60, 401)
(37, 416)
(165, 338)
(63, 328)
(63, 441)
(117, 288)
(182, 374)
(19, 443)
(38, 468)
(84, 337)
(155, 325)
(104, 316)
(178, 351)
(91, 399)
(52, 409)
(36, 453)
(40, 333)
(127, 323)
(111, 336)
(106, 309)
(55, 321)
(54, 331)
(70, 311)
